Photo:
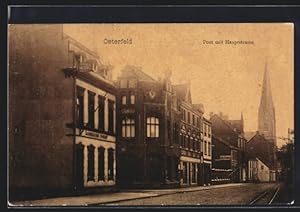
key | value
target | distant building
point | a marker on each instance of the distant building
(224, 161)
(266, 118)
(148, 121)
(259, 147)
(232, 131)
(258, 171)
(62, 114)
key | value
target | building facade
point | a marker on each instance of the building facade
(258, 171)
(148, 117)
(56, 130)
(206, 134)
(193, 170)
(231, 131)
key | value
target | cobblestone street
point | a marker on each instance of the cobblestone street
(236, 195)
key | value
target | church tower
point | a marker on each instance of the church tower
(266, 114)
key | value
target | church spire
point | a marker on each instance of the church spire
(266, 116)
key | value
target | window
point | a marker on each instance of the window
(182, 140)
(261, 167)
(184, 115)
(101, 163)
(110, 116)
(91, 163)
(188, 116)
(128, 128)
(209, 148)
(132, 84)
(110, 164)
(91, 110)
(205, 148)
(205, 129)
(132, 99)
(152, 127)
(209, 130)
(79, 103)
(101, 118)
(123, 83)
(123, 100)
(193, 119)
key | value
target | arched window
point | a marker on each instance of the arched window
(152, 127)
(128, 128)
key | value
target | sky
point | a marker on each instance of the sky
(225, 78)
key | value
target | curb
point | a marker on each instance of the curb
(157, 195)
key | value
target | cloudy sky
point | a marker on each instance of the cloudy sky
(224, 77)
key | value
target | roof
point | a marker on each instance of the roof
(183, 92)
(249, 135)
(130, 71)
(236, 124)
(224, 142)
(224, 121)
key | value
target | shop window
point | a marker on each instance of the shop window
(110, 164)
(91, 163)
(101, 118)
(101, 163)
(91, 110)
(185, 172)
(128, 128)
(152, 127)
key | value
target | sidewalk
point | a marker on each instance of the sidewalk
(129, 194)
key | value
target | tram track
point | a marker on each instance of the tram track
(267, 197)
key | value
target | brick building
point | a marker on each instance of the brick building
(191, 167)
(231, 131)
(61, 114)
(206, 141)
(148, 148)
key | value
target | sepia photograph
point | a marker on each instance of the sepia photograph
(151, 114)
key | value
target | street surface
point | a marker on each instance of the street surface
(236, 195)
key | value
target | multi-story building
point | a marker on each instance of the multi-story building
(206, 134)
(62, 111)
(231, 131)
(148, 117)
(224, 161)
(192, 170)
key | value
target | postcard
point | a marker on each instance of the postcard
(169, 114)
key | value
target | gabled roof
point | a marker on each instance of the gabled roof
(223, 121)
(183, 92)
(135, 72)
(249, 134)
(236, 124)
(224, 142)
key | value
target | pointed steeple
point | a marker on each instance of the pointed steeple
(266, 116)
(266, 94)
